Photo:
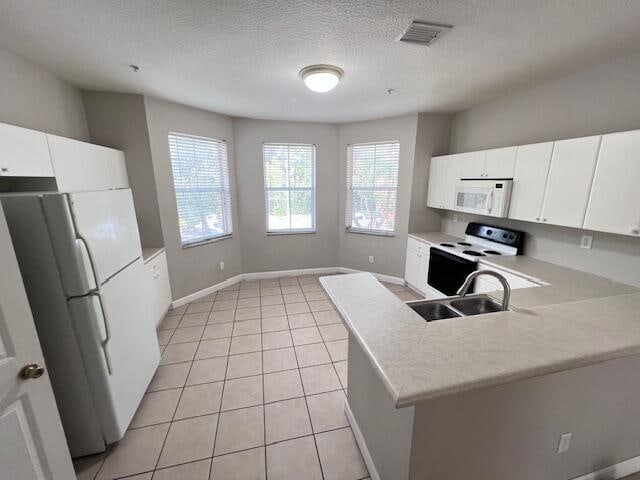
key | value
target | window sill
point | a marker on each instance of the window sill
(207, 241)
(369, 232)
(292, 232)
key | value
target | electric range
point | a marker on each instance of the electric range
(451, 263)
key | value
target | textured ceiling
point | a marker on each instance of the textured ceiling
(242, 57)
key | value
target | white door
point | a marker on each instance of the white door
(500, 162)
(106, 220)
(32, 441)
(436, 177)
(74, 171)
(423, 269)
(119, 347)
(471, 164)
(614, 204)
(530, 181)
(412, 263)
(24, 153)
(569, 183)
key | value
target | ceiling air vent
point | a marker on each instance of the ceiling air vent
(423, 33)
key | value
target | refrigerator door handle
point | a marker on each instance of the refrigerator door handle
(107, 330)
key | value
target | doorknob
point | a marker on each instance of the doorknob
(32, 370)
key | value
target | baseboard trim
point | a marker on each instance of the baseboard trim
(252, 276)
(366, 456)
(619, 470)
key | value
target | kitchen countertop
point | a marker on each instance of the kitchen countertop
(577, 319)
(149, 253)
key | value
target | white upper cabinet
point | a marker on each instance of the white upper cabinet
(81, 166)
(443, 175)
(500, 162)
(614, 204)
(569, 182)
(24, 153)
(494, 163)
(529, 181)
(471, 164)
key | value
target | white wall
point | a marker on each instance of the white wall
(262, 252)
(388, 251)
(602, 99)
(118, 120)
(31, 97)
(195, 268)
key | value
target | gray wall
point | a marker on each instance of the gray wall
(262, 252)
(119, 121)
(195, 268)
(432, 138)
(389, 252)
(602, 99)
(512, 431)
(31, 97)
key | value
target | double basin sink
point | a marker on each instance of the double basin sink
(454, 307)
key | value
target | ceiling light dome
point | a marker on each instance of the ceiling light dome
(321, 78)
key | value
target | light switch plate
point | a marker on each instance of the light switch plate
(586, 241)
(564, 443)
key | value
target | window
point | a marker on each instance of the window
(372, 187)
(290, 187)
(201, 181)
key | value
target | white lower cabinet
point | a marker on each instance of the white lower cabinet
(417, 265)
(158, 286)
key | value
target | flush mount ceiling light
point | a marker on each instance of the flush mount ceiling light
(321, 78)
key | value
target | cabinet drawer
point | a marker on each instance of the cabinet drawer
(155, 264)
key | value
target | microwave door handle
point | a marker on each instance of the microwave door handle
(490, 202)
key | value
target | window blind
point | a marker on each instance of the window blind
(290, 187)
(201, 181)
(372, 187)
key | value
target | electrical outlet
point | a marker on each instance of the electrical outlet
(454, 217)
(370, 258)
(564, 443)
(221, 265)
(586, 241)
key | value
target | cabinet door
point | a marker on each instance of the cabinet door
(529, 181)
(500, 162)
(118, 170)
(73, 173)
(451, 177)
(423, 270)
(24, 153)
(437, 168)
(412, 263)
(569, 183)
(471, 164)
(614, 203)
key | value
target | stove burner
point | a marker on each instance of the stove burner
(473, 253)
(465, 244)
(447, 245)
(492, 252)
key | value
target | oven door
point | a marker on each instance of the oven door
(447, 272)
(474, 199)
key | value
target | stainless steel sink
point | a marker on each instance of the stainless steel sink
(431, 311)
(453, 307)
(476, 305)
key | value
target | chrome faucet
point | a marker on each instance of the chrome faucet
(462, 291)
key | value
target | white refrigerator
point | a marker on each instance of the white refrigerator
(81, 262)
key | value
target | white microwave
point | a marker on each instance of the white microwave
(484, 197)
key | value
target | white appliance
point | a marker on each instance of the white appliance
(451, 263)
(483, 197)
(80, 258)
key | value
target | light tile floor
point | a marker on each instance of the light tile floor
(251, 385)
